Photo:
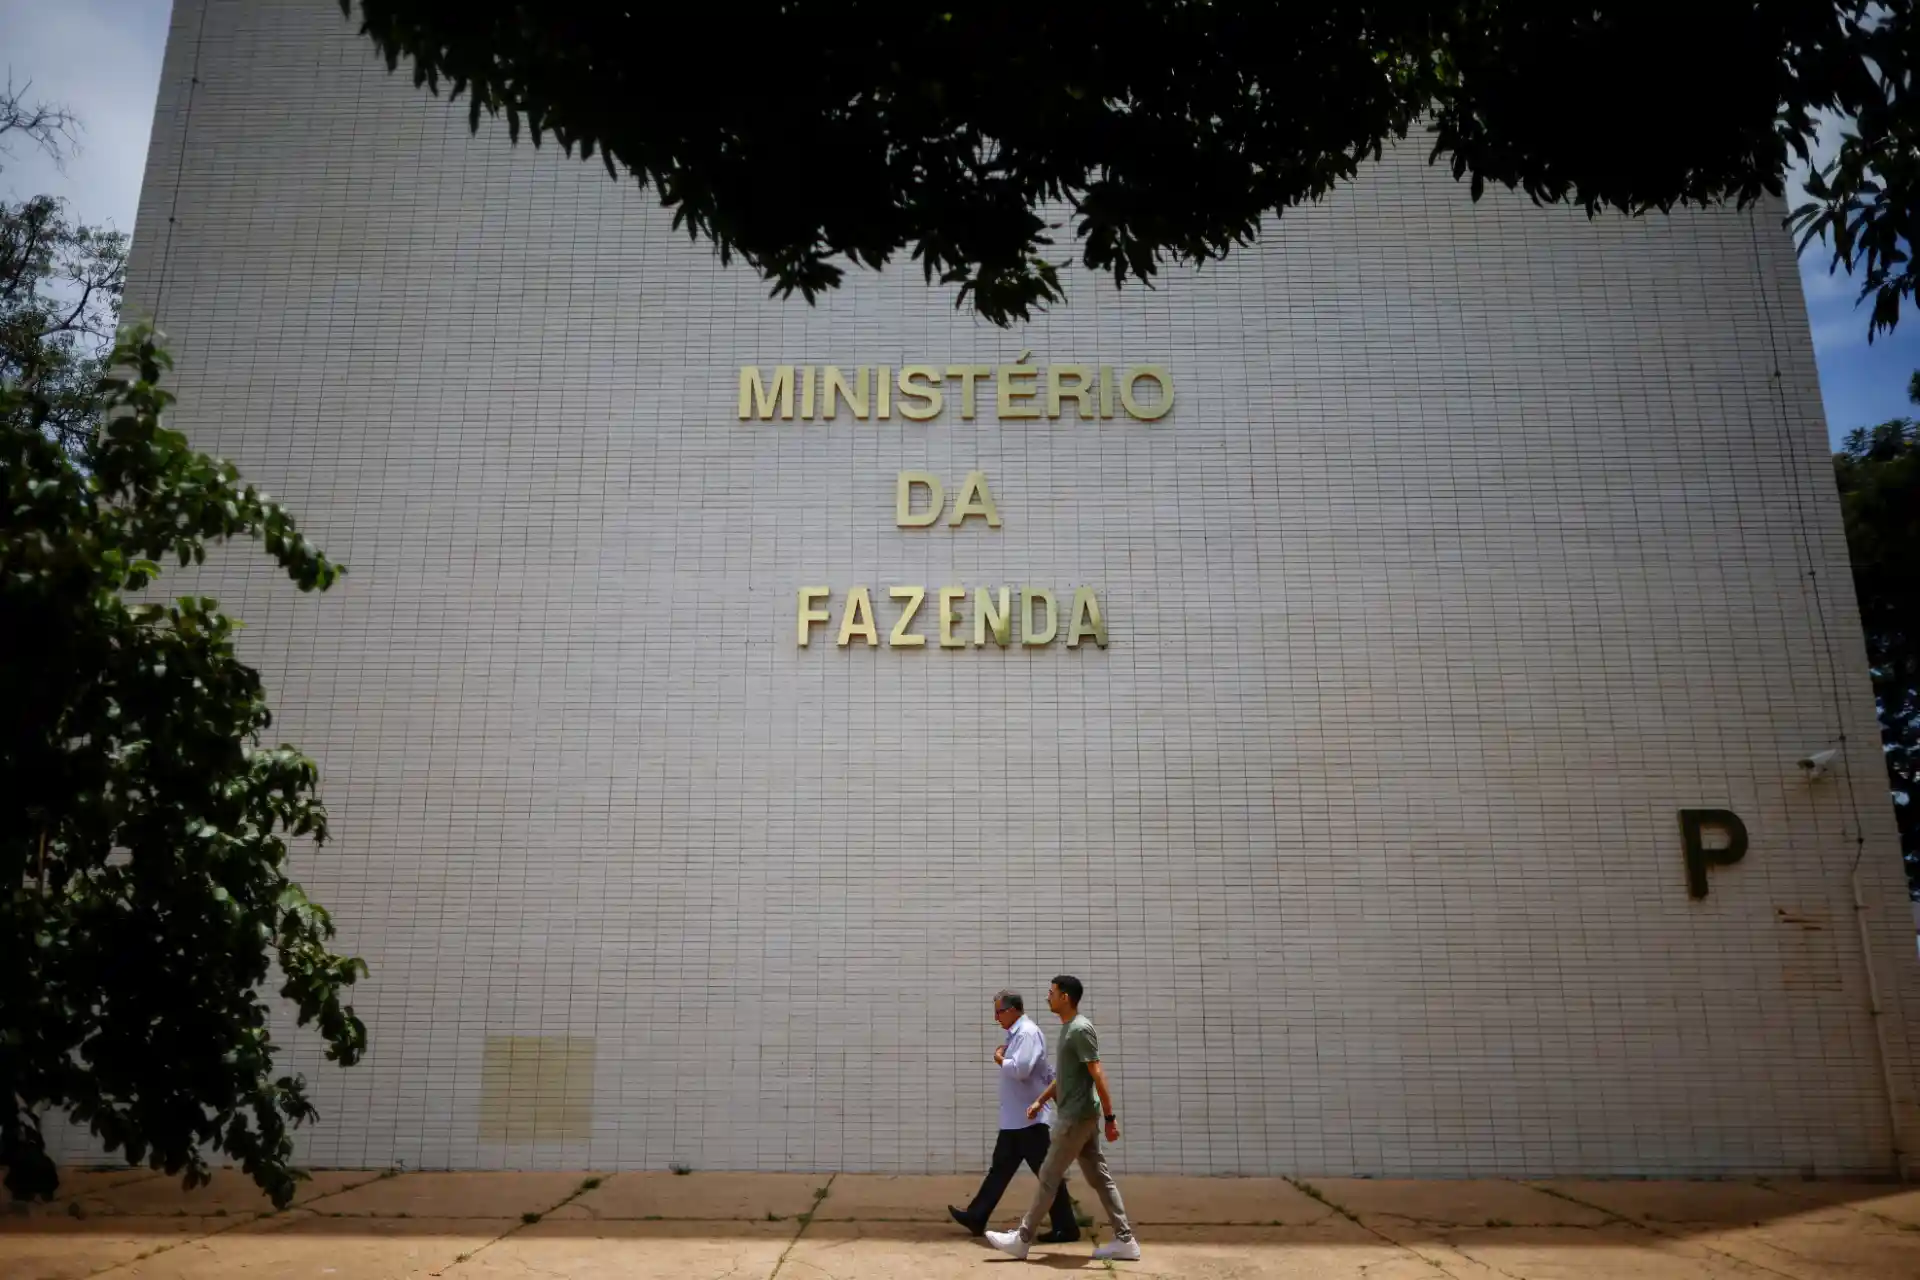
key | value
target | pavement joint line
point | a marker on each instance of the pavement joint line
(367, 1181)
(1848, 1205)
(1612, 1215)
(806, 1220)
(1306, 1188)
(157, 1250)
(1660, 1229)
(527, 1219)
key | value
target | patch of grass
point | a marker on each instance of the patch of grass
(652, 1217)
(804, 1219)
(403, 1214)
(819, 1194)
(1498, 1222)
(389, 1173)
(529, 1218)
(681, 1170)
(773, 1217)
(461, 1257)
(590, 1184)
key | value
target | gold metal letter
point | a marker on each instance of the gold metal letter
(806, 391)
(1106, 391)
(1086, 606)
(974, 501)
(1009, 392)
(1030, 634)
(968, 373)
(989, 617)
(1147, 412)
(858, 619)
(900, 637)
(919, 402)
(808, 614)
(758, 401)
(1081, 392)
(903, 513)
(883, 388)
(833, 385)
(950, 596)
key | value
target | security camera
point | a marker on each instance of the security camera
(1818, 765)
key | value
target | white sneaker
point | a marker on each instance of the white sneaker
(1118, 1251)
(1010, 1243)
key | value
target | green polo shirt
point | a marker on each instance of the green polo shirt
(1079, 1046)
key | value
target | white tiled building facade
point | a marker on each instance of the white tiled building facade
(1481, 540)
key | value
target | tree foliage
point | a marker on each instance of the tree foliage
(799, 134)
(1878, 469)
(60, 286)
(1866, 202)
(144, 828)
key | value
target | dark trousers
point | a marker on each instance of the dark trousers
(1014, 1147)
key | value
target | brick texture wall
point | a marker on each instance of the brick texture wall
(1477, 545)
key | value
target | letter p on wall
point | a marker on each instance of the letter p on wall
(1694, 823)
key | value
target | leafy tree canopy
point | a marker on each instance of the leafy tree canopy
(144, 827)
(803, 133)
(1878, 469)
(60, 286)
(144, 896)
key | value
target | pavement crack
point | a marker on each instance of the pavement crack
(1308, 1189)
(340, 1191)
(526, 1220)
(1611, 1215)
(240, 1220)
(806, 1220)
(1661, 1229)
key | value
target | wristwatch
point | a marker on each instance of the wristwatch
(1113, 1119)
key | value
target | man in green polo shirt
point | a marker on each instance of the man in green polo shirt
(1080, 1086)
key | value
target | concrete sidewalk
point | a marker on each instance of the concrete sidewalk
(130, 1223)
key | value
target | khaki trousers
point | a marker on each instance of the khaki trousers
(1077, 1140)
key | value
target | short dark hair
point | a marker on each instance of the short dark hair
(1070, 986)
(1010, 1000)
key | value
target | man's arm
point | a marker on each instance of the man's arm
(1099, 1074)
(1046, 1096)
(1023, 1055)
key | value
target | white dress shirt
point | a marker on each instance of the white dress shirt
(1024, 1075)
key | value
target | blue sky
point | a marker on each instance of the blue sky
(101, 58)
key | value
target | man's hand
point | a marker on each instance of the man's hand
(1034, 1110)
(1000, 1056)
(1113, 1131)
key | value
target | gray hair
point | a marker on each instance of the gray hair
(1009, 1000)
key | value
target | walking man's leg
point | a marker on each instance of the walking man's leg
(1067, 1141)
(1093, 1167)
(1038, 1144)
(1007, 1151)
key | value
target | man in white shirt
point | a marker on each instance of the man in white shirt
(1024, 1076)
